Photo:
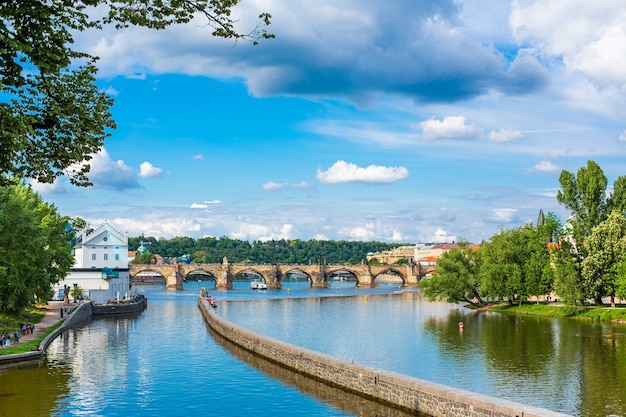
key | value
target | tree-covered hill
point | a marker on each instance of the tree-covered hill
(213, 250)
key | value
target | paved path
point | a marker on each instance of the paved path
(52, 317)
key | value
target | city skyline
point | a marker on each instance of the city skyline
(402, 122)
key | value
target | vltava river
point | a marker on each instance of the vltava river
(166, 362)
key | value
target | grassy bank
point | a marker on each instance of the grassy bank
(29, 346)
(12, 322)
(9, 323)
(596, 313)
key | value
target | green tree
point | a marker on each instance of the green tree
(620, 283)
(514, 264)
(567, 281)
(585, 194)
(35, 250)
(142, 258)
(606, 250)
(52, 116)
(457, 277)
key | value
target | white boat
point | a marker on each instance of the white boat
(258, 284)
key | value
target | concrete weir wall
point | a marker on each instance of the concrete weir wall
(395, 389)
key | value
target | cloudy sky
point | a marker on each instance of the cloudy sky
(401, 121)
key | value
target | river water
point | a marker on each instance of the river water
(166, 362)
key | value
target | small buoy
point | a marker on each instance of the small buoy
(288, 289)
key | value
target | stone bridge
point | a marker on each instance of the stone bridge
(272, 275)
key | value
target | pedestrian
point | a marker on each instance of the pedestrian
(16, 336)
(23, 329)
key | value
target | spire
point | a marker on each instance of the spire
(541, 221)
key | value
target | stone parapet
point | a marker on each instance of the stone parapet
(395, 389)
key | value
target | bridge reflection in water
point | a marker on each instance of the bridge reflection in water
(273, 274)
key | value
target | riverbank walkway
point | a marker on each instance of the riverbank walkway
(51, 317)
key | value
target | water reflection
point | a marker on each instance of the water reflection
(338, 398)
(125, 365)
(19, 382)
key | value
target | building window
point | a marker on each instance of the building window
(93, 256)
(106, 256)
(117, 256)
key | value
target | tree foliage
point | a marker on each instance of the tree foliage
(585, 194)
(513, 264)
(35, 250)
(52, 116)
(605, 250)
(457, 277)
(295, 251)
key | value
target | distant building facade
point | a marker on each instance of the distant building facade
(100, 270)
(392, 256)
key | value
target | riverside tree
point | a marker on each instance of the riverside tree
(35, 248)
(52, 116)
(514, 264)
(585, 194)
(605, 250)
(457, 277)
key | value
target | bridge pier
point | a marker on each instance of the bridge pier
(365, 281)
(174, 281)
(273, 279)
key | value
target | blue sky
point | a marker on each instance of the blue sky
(401, 121)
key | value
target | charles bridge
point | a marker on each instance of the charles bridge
(272, 274)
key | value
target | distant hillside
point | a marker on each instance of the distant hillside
(213, 250)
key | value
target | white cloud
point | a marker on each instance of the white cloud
(441, 236)
(250, 231)
(590, 37)
(57, 187)
(342, 171)
(147, 170)
(622, 137)
(198, 157)
(205, 204)
(546, 166)
(505, 135)
(107, 173)
(451, 127)
(273, 186)
(505, 215)
(357, 233)
(154, 225)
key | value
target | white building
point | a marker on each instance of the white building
(100, 268)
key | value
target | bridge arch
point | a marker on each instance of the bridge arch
(295, 270)
(391, 270)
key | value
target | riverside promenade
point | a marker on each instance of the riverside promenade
(51, 317)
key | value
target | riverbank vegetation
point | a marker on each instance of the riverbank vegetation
(581, 264)
(590, 312)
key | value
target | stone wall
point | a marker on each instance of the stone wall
(80, 314)
(397, 390)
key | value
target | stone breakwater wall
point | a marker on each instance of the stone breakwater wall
(80, 314)
(391, 388)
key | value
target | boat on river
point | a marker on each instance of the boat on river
(258, 284)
